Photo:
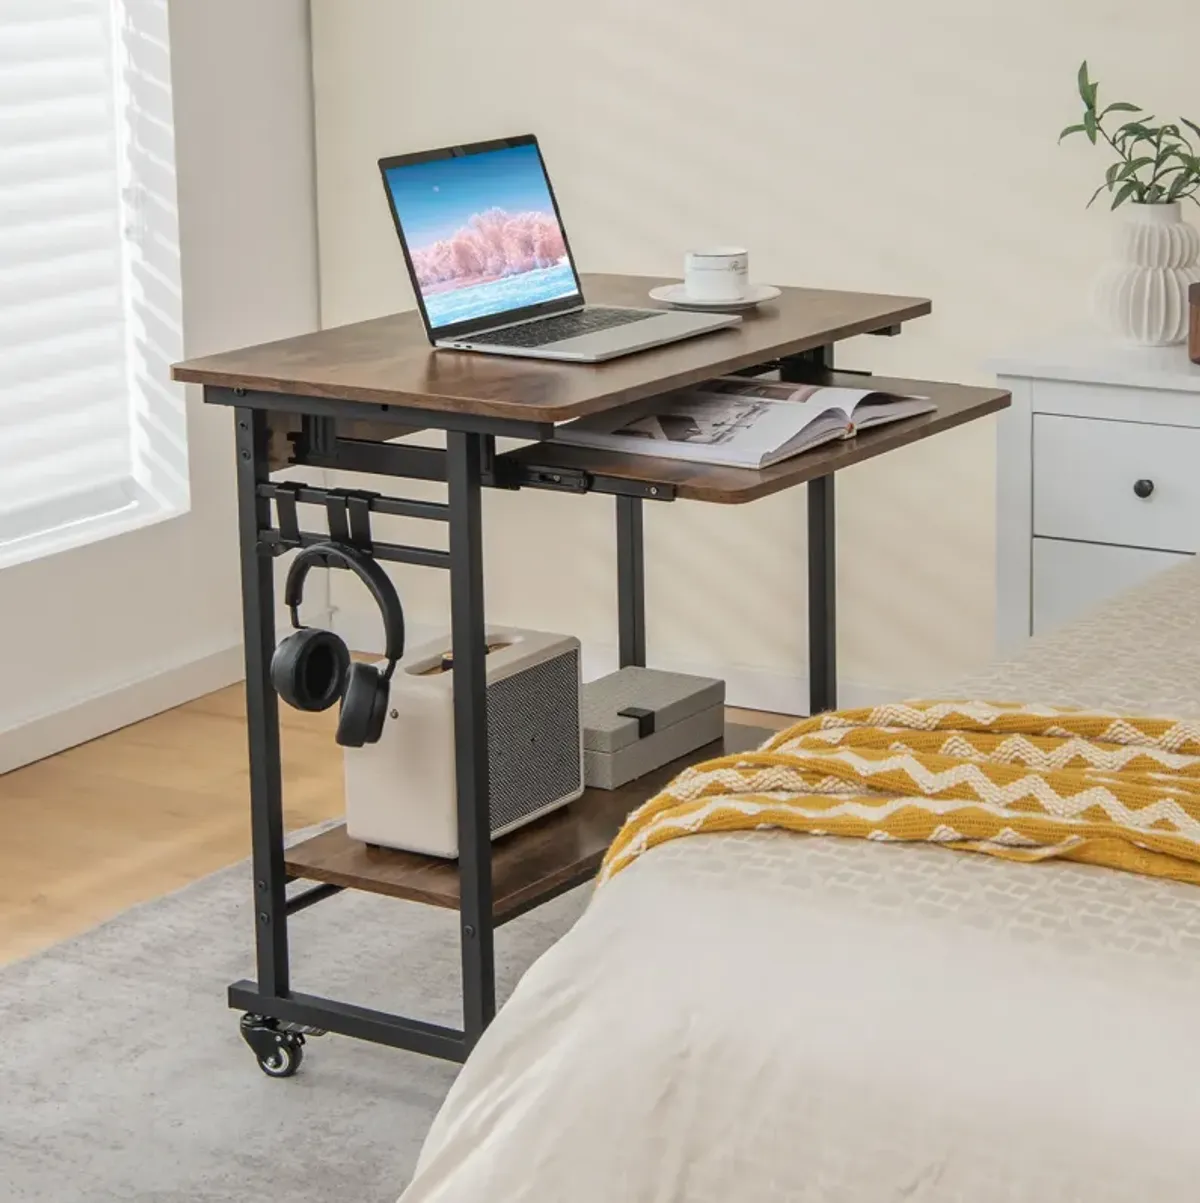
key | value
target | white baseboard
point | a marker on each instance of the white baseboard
(746, 686)
(126, 702)
(82, 719)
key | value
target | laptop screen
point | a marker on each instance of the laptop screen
(481, 231)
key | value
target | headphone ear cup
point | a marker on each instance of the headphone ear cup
(309, 669)
(379, 709)
(364, 707)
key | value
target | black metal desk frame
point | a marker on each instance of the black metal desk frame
(277, 1018)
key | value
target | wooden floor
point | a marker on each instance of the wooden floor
(143, 811)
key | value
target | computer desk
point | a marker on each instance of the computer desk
(331, 400)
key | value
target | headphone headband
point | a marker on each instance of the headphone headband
(370, 572)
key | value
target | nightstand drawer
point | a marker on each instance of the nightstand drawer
(1070, 578)
(1159, 406)
(1116, 482)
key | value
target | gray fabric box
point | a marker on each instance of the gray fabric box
(679, 714)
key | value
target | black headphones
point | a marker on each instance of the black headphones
(312, 669)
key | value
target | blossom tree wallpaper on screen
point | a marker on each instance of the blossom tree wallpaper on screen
(482, 233)
(491, 245)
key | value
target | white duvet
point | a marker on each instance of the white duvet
(769, 1016)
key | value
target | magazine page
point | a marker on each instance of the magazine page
(816, 398)
(753, 386)
(862, 407)
(876, 408)
(716, 428)
(738, 421)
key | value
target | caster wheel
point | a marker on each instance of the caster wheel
(286, 1058)
(278, 1051)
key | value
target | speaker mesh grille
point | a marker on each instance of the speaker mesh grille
(533, 738)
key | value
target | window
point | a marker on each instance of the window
(92, 431)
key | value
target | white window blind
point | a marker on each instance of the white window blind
(92, 433)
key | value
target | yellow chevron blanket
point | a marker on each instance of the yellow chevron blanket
(1021, 782)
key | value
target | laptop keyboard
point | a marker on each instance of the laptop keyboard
(563, 325)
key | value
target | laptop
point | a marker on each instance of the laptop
(491, 267)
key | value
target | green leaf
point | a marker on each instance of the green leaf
(1094, 195)
(1089, 126)
(1087, 89)
(1131, 134)
(1132, 165)
(1121, 106)
(1071, 129)
(1084, 82)
(1125, 192)
(1177, 187)
(1110, 176)
(1165, 173)
(1191, 125)
(1145, 141)
(1186, 161)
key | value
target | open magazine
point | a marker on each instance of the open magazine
(740, 421)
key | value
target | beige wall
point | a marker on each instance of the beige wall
(885, 147)
(109, 633)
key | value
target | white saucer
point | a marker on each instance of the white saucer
(676, 296)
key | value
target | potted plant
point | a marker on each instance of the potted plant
(1142, 295)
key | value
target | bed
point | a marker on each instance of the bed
(765, 1016)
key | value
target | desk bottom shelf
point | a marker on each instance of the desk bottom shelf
(529, 866)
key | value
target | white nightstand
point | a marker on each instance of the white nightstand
(1097, 478)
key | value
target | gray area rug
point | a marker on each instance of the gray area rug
(122, 1075)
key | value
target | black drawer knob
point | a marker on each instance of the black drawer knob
(1143, 488)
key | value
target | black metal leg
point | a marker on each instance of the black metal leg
(631, 581)
(822, 566)
(822, 597)
(464, 456)
(262, 709)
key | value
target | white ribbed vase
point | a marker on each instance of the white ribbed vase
(1141, 297)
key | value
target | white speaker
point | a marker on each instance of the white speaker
(400, 792)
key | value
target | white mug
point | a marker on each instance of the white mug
(719, 273)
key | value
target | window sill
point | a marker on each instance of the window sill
(64, 524)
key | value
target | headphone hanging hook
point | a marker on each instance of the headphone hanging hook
(349, 514)
(358, 507)
(286, 496)
(335, 510)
